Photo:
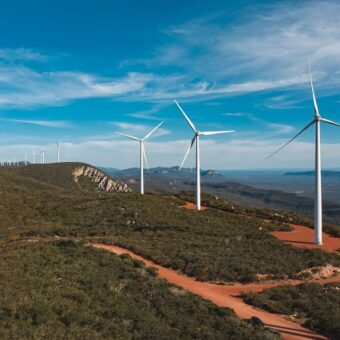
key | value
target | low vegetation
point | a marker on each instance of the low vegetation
(316, 306)
(281, 219)
(214, 245)
(65, 290)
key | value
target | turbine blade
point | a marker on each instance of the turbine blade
(153, 130)
(144, 155)
(210, 133)
(329, 122)
(186, 117)
(187, 153)
(297, 135)
(315, 104)
(128, 136)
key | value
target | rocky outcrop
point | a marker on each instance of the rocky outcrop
(321, 272)
(98, 177)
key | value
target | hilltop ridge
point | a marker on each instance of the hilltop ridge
(72, 176)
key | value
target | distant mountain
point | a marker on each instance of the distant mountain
(325, 173)
(169, 172)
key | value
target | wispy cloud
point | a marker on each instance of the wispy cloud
(266, 48)
(46, 123)
(148, 114)
(213, 57)
(139, 130)
(22, 54)
(282, 102)
(272, 129)
(234, 114)
(24, 87)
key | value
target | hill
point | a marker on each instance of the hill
(310, 303)
(172, 181)
(325, 173)
(171, 172)
(227, 243)
(71, 176)
(65, 290)
(83, 293)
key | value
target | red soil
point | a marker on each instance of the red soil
(191, 206)
(303, 237)
(226, 296)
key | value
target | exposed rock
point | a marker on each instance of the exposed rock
(103, 181)
(322, 272)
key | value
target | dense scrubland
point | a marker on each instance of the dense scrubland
(316, 306)
(221, 244)
(66, 290)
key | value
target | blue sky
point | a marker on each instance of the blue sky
(81, 71)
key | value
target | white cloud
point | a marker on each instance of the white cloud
(140, 130)
(22, 54)
(231, 154)
(24, 87)
(234, 114)
(265, 48)
(46, 123)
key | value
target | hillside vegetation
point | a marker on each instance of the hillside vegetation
(173, 180)
(317, 306)
(65, 290)
(215, 245)
(68, 176)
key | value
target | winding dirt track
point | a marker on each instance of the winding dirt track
(226, 296)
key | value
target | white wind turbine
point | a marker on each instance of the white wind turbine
(58, 152)
(42, 155)
(197, 140)
(318, 188)
(142, 153)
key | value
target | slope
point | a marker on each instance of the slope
(71, 176)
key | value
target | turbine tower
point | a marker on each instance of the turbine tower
(42, 155)
(33, 156)
(318, 187)
(197, 140)
(142, 154)
(58, 152)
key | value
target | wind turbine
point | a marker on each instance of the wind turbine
(142, 153)
(318, 187)
(33, 156)
(197, 140)
(42, 155)
(58, 152)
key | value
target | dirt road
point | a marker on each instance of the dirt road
(303, 237)
(226, 296)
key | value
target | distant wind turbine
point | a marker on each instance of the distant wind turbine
(142, 153)
(58, 152)
(318, 188)
(33, 156)
(197, 140)
(42, 155)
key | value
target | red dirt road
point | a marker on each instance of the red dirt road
(226, 296)
(303, 237)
